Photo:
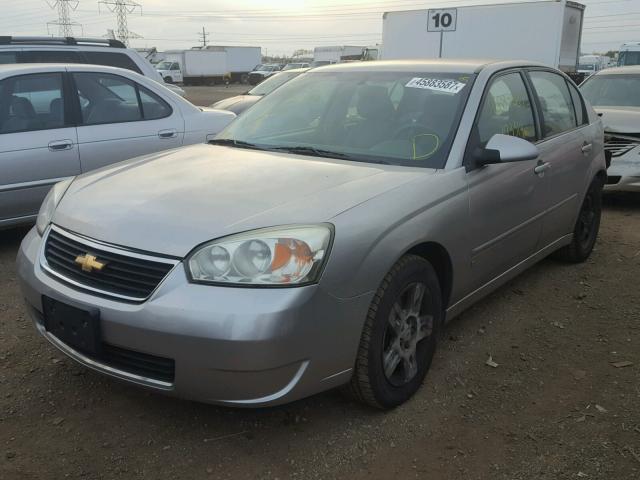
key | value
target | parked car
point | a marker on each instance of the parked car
(292, 66)
(240, 103)
(57, 121)
(95, 51)
(614, 95)
(265, 71)
(324, 237)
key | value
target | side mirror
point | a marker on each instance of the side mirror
(506, 148)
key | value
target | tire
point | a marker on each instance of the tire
(168, 80)
(391, 331)
(585, 232)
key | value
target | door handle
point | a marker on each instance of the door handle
(586, 148)
(541, 168)
(169, 133)
(57, 145)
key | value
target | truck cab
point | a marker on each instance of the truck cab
(170, 71)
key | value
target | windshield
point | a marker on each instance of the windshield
(271, 83)
(628, 58)
(612, 90)
(291, 66)
(401, 118)
(164, 66)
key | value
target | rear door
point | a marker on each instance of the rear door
(565, 151)
(38, 147)
(120, 119)
(506, 200)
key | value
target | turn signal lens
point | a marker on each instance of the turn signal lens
(275, 256)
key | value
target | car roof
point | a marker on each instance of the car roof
(296, 70)
(437, 65)
(24, 68)
(629, 70)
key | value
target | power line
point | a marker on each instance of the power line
(64, 23)
(122, 8)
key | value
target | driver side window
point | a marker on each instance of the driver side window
(506, 110)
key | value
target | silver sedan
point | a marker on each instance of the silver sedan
(322, 239)
(614, 95)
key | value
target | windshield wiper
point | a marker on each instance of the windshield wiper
(230, 142)
(319, 152)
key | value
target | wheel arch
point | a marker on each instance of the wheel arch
(440, 259)
(602, 176)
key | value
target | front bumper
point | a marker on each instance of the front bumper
(624, 173)
(232, 346)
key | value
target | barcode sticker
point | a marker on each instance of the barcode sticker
(448, 86)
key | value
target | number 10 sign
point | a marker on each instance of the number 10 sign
(442, 20)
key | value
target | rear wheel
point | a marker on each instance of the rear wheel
(586, 228)
(399, 336)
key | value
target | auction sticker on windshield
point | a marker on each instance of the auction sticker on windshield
(448, 86)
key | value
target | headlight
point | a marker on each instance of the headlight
(280, 256)
(50, 203)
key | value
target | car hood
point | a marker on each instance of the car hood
(620, 119)
(170, 202)
(237, 104)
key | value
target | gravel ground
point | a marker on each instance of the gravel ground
(555, 407)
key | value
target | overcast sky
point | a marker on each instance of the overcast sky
(281, 26)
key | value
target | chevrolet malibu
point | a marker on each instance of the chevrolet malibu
(324, 237)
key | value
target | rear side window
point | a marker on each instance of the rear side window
(153, 107)
(578, 104)
(31, 102)
(49, 56)
(558, 114)
(107, 98)
(506, 110)
(111, 59)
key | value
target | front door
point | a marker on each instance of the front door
(506, 201)
(37, 149)
(121, 119)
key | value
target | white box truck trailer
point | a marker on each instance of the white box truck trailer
(208, 66)
(548, 32)
(335, 54)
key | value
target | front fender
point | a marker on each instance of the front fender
(371, 237)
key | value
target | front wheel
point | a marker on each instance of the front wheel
(168, 79)
(586, 228)
(399, 336)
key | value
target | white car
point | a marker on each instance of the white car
(94, 51)
(57, 121)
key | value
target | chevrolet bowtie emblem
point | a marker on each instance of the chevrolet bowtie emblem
(89, 263)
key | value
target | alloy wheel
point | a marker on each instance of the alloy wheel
(408, 325)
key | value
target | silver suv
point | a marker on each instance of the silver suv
(94, 51)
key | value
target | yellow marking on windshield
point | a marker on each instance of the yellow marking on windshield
(427, 155)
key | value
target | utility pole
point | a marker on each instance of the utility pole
(122, 8)
(64, 23)
(203, 37)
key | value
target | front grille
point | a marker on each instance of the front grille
(125, 275)
(618, 145)
(137, 363)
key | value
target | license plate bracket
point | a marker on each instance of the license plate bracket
(78, 328)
